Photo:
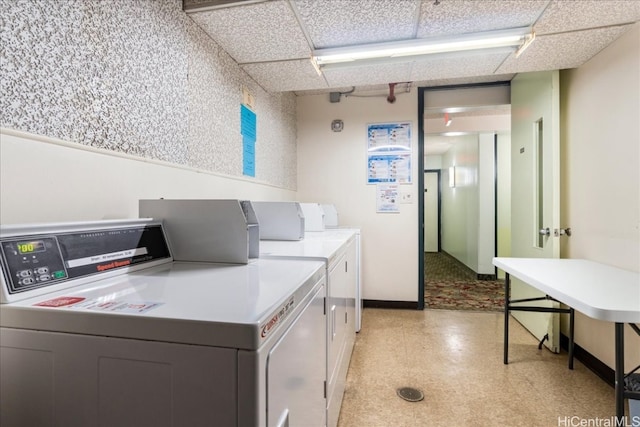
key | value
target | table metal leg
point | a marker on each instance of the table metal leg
(571, 332)
(506, 317)
(619, 367)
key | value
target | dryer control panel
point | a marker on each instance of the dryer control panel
(35, 261)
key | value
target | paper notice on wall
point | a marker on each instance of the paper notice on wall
(389, 168)
(248, 130)
(387, 198)
(389, 137)
(389, 153)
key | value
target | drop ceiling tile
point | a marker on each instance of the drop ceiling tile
(571, 15)
(561, 51)
(369, 75)
(256, 32)
(332, 23)
(286, 76)
(470, 16)
(457, 66)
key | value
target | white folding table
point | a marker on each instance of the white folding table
(597, 290)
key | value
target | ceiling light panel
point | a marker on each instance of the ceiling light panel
(561, 51)
(501, 41)
(472, 16)
(349, 22)
(256, 32)
(563, 16)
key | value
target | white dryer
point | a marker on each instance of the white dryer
(339, 250)
(100, 327)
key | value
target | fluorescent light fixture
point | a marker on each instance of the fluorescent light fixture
(452, 176)
(409, 50)
(529, 39)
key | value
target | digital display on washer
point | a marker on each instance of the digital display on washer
(30, 247)
(38, 261)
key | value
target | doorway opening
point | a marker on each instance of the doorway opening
(464, 140)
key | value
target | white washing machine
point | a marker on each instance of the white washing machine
(100, 327)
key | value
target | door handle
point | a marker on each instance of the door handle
(545, 231)
(562, 231)
(284, 419)
(333, 322)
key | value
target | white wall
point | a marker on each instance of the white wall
(460, 204)
(486, 203)
(432, 162)
(332, 168)
(477, 123)
(504, 196)
(468, 209)
(48, 180)
(600, 107)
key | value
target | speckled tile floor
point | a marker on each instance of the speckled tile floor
(455, 358)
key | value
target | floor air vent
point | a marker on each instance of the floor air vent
(410, 394)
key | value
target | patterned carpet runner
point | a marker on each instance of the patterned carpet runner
(451, 285)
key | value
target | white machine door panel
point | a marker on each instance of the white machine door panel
(296, 371)
(351, 291)
(71, 380)
(336, 327)
(336, 339)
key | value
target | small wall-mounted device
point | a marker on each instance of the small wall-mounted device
(334, 97)
(337, 125)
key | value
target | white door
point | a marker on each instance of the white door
(430, 212)
(535, 187)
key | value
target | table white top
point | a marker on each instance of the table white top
(600, 291)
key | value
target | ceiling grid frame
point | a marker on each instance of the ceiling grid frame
(273, 40)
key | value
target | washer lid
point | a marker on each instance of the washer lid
(319, 249)
(237, 306)
(325, 246)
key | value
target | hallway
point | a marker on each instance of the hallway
(451, 285)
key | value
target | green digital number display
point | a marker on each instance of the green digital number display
(30, 247)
